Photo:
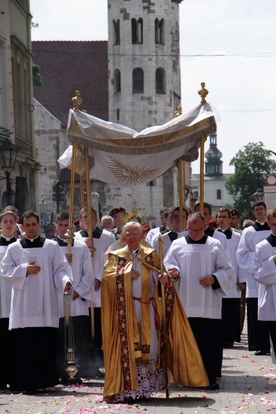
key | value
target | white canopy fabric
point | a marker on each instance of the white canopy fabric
(122, 156)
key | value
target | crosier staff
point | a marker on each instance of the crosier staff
(164, 322)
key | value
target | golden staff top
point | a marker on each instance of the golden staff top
(203, 92)
(77, 101)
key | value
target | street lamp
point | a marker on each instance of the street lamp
(8, 153)
(258, 195)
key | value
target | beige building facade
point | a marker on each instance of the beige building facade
(16, 103)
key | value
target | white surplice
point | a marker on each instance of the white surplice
(83, 278)
(101, 245)
(5, 291)
(166, 241)
(238, 277)
(193, 262)
(265, 275)
(35, 298)
(246, 255)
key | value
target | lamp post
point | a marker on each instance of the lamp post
(258, 195)
(8, 153)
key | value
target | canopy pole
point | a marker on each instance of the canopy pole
(181, 179)
(201, 182)
(88, 197)
(164, 318)
(90, 232)
(71, 367)
(71, 200)
(82, 198)
(180, 192)
(203, 92)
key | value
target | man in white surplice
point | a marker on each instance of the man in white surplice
(257, 332)
(83, 277)
(200, 262)
(39, 274)
(265, 274)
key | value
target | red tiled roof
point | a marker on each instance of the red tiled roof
(70, 65)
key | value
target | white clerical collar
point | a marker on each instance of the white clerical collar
(273, 234)
(260, 222)
(134, 251)
(7, 238)
(223, 230)
(64, 240)
(32, 240)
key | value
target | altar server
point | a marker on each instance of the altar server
(204, 273)
(83, 278)
(258, 338)
(8, 232)
(39, 274)
(265, 275)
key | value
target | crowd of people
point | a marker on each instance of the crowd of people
(152, 306)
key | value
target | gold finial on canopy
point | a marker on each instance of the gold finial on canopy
(134, 210)
(133, 214)
(203, 92)
(178, 111)
(77, 101)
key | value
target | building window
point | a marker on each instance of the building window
(138, 81)
(218, 194)
(151, 183)
(159, 32)
(160, 81)
(137, 31)
(116, 27)
(117, 81)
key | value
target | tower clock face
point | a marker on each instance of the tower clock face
(271, 179)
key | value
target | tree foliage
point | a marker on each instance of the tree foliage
(37, 77)
(252, 164)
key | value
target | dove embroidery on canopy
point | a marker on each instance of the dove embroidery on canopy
(130, 175)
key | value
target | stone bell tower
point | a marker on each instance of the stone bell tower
(144, 74)
(144, 67)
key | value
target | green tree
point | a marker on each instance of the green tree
(252, 164)
(37, 77)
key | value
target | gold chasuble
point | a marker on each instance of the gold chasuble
(127, 342)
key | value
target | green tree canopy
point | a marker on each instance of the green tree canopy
(37, 77)
(252, 164)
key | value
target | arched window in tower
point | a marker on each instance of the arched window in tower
(116, 27)
(137, 31)
(138, 80)
(159, 32)
(117, 81)
(218, 194)
(160, 81)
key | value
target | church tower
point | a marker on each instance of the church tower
(213, 165)
(144, 80)
(144, 67)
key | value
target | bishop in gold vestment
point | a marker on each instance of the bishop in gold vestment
(132, 331)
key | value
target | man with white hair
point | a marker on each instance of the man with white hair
(131, 325)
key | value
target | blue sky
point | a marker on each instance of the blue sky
(229, 45)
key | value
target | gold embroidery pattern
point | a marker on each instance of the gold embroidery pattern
(130, 175)
(169, 302)
(149, 145)
(151, 262)
(122, 323)
(145, 350)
